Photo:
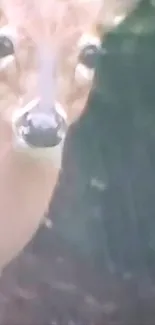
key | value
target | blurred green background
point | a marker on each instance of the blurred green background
(104, 205)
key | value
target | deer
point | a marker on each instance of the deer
(46, 72)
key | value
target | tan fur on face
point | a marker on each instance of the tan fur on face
(26, 186)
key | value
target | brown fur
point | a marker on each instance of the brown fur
(26, 186)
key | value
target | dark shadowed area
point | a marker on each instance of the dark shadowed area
(97, 264)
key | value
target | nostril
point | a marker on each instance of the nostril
(6, 46)
(40, 129)
(88, 56)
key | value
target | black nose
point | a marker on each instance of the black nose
(40, 129)
(6, 47)
(88, 56)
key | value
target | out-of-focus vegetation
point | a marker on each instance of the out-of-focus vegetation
(111, 211)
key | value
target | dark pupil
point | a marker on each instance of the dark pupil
(88, 56)
(6, 47)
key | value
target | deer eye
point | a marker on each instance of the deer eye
(89, 55)
(6, 47)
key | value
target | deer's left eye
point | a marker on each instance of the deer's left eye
(88, 56)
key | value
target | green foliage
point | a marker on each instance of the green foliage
(110, 213)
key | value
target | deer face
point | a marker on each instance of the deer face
(27, 181)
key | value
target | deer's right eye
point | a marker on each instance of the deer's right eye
(6, 47)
